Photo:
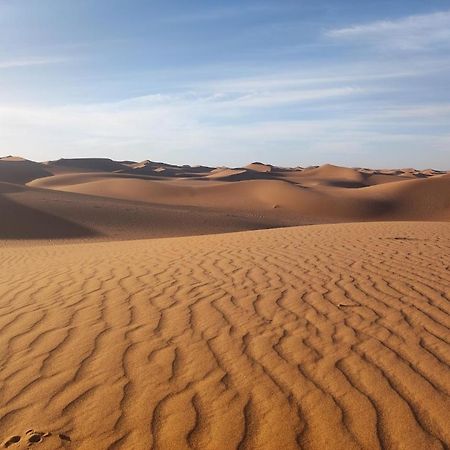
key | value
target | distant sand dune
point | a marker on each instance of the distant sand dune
(335, 176)
(20, 171)
(30, 213)
(322, 337)
(259, 167)
(91, 164)
(416, 199)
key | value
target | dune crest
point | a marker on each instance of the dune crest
(321, 197)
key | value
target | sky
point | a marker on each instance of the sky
(292, 83)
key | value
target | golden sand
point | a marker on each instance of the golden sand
(321, 337)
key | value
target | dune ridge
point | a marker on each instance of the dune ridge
(329, 336)
(410, 199)
(99, 198)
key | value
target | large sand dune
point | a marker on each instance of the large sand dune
(155, 199)
(322, 337)
(20, 171)
(318, 198)
(30, 213)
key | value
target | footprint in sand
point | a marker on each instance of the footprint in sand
(34, 437)
(12, 440)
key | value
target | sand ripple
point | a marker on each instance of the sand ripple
(324, 337)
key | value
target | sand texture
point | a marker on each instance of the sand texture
(100, 199)
(319, 337)
(282, 196)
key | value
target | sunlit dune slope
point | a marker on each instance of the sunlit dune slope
(30, 213)
(416, 199)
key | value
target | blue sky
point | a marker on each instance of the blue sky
(226, 83)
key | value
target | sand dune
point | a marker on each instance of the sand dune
(335, 176)
(20, 171)
(21, 221)
(259, 167)
(322, 337)
(419, 198)
(336, 199)
(63, 201)
(240, 175)
(165, 170)
(90, 164)
(30, 213)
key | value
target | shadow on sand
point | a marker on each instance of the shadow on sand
(22, 222)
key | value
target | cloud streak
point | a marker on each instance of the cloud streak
(332, 102)
(415, 32)
(29, 62)
(170, 126)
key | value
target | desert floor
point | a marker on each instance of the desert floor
(314, 337)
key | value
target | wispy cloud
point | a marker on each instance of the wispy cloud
(230, 83)
(168, 127)
(28, 62)
(314, 77)
(259, 99)
(413, 32)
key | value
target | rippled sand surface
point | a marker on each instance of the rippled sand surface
(321, 337)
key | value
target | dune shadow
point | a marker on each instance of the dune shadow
(23, 222)
(21, 172)
(247, 176)
(346, 184)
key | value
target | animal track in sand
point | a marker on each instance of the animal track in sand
(34, 437)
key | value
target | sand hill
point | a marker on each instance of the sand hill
(20, 171)
(104, 199)
(327, 193)
(90, 164)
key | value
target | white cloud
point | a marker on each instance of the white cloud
(273, 98)
(167, 121)
(436, 113)
(27, 62)
(233, 121)
(408, 33)
(179, 129)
